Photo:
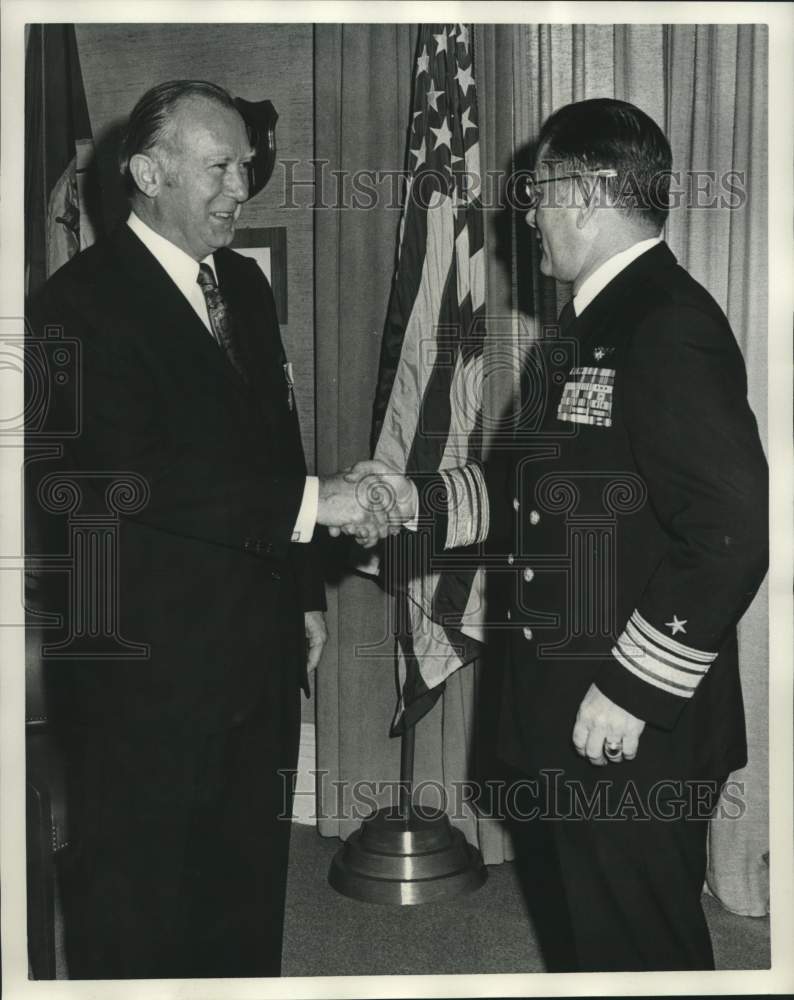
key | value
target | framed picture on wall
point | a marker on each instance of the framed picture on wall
(268, 247)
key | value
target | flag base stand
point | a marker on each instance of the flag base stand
(406, 854)
(403, 859)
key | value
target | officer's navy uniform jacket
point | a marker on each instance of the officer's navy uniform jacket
(637, 496)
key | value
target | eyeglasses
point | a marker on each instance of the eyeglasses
(531, 186)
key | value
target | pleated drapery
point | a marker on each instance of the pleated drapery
(706, 86)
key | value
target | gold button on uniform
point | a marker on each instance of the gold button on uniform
(511, 559)
(528, 574)
(527, 633)
(516, 503)
(534, 517)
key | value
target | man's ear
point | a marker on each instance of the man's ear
(589, 195)
(147, 174)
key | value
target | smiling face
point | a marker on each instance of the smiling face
(202, 176)
(556, 221)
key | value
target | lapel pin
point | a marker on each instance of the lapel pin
(290, 384)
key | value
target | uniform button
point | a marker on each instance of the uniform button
(528, 574)
(509, 614)
(516, 503)
(275, 575)
(534, 517)
(511, 559)
(527, 633)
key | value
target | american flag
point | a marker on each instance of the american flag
(428, 408)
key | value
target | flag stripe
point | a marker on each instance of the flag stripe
(428, 410)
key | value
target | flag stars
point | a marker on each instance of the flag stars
(463, 36)
(423, 62)
(433, 96)
(441, 42)
(443, 135)
(464, 78)
(465, 122)
(420, 153)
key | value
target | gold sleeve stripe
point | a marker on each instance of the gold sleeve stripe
(660, 660)
(467, 506)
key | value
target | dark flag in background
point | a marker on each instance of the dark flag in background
(428, 408)
(60, 208)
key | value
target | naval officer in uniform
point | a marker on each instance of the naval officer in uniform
(637, 496)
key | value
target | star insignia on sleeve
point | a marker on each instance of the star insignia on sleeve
(677, 625)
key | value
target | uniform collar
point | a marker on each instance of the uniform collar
(180, 267)
(610, 269)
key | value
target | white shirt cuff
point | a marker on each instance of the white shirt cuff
(307, 515)
(413, 524)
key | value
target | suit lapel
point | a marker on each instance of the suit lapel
(165, 311)
(256, 328)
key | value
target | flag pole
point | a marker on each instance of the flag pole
(407, 852)
(407, 746)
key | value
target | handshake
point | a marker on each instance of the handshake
(368, 501)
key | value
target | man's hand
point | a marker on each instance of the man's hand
(346, 505)
(600, 719)
(316, 637)
(391, 491)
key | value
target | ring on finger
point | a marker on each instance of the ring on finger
(613, 751)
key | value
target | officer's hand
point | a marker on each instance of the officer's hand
(600, 720)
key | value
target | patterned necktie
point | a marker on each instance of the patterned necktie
(220, 317)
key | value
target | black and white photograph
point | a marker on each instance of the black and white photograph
(397, 499)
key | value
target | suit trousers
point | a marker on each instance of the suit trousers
(613, 889)
(179, 863)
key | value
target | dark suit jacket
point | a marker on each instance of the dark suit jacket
(208, 576)
(637, 495)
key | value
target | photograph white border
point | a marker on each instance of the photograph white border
(780, 979)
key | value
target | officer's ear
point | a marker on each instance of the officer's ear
(590, 194)
(148, 174)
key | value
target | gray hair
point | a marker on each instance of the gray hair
(150, 118)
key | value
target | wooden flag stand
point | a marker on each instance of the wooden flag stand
(406, 854)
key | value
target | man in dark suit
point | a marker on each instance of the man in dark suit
(637, 496)
(179, 764)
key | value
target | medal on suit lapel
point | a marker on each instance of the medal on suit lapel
(290, 384)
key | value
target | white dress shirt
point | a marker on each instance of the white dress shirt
(610, 269)
(183, 270)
